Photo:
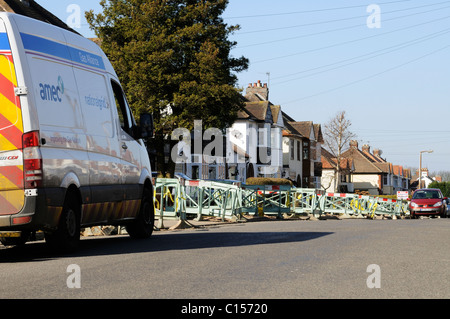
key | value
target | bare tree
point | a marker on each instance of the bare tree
(337, 137)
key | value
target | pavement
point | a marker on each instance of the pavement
(172, 224)
(168, 224)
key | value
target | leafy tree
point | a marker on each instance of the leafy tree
(172, 55)
(443, 186)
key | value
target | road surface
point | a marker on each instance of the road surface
(354, 258)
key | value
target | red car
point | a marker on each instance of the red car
(428, 202)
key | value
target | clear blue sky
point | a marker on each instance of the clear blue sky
(321, 57)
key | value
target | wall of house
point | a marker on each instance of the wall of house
(328, 180)
(366, 183)
(245, 135)
(237, 134)
(316, 155)
(295, 165)
(277, 151)
(251, 146)
(254, 138)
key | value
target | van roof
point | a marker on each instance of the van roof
(49, 39)
(33, 10)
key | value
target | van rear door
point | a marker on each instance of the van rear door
(11, 131)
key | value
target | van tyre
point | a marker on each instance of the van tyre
(67, 236)
(142, 226)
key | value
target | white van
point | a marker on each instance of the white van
(71, 154)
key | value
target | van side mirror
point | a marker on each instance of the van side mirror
(146, 125)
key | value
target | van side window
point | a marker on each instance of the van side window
(125, 117)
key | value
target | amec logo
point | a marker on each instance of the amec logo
(50, 92)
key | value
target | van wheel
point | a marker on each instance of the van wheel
(67, 235)
(142, 226)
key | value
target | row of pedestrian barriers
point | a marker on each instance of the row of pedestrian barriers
(182, 199)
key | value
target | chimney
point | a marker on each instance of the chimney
(354, 144)
(366, 148)
(377, 152)
(257, 92)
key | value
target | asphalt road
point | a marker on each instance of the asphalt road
(268, 260)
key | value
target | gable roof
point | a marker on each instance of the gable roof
(385, 167)
(305, 128)
(366, 162)
(329, 161)
(318, 133)
(290, 131)
(32, 9)
(363, 164)
(301, 130)
(276, 112)
(259, 111)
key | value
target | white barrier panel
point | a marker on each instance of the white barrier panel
(176, 199)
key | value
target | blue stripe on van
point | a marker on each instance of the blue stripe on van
(48, 47)
(4, 42)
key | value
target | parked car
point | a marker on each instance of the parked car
(428, 202)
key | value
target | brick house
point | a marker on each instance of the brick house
(257, 132)
(373, 174)
(331, 180)
(302, 145)
(295, 154)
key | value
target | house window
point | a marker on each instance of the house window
(264, 134)
(305, 151)
(305, 182)
(261, 137)
(299, 147)
(195, 172)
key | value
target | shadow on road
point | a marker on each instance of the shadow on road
(120, 245)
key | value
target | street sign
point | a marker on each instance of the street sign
(402, 195)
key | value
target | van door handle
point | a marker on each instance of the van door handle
(124, 146)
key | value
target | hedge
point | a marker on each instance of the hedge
(443, 186)
(268, 181)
